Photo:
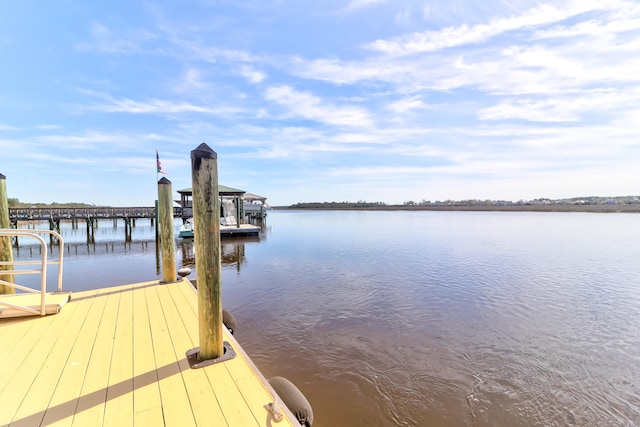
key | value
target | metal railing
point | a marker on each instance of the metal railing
(43, 263)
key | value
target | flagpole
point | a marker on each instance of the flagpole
(158, 171)
(156, 203)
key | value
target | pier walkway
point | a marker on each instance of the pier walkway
(89, 215)
(44, 214)
(116, 357)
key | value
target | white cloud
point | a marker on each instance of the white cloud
(106, 40)
(358, 4)
(91, 139)
(562, 108)
(589, 28)
(492, 92)
(332, 70)
(48, 127)
(252, 75)
(381, 173)
(158, 106)
(404, 17)
(406, 105)
(429, 41)
(536, 111)
(309, 106)
(188, 45)
(539, 63)
(192, 80)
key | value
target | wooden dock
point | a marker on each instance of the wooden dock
(44, 214)
(240, 230)
(117, 357)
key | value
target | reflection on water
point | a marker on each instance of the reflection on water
(232, 251)
(115, 256)
(426, 318)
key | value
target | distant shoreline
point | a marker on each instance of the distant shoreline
(617, 208)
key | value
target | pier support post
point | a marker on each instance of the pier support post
(127, 229)
(206, 226)
(238, 217)
(165, 222)
(6, 251)
(54, 225)
(91, 224)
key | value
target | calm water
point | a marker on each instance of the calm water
(424, 318)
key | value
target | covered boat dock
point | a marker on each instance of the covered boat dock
(232, 212)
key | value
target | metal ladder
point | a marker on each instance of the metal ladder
(42, 271)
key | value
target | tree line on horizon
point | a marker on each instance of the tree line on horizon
(590, 200)
(16, 203)
(336, 205)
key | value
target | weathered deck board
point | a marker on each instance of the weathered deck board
(116, 357)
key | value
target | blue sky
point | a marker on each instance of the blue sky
(376, 100)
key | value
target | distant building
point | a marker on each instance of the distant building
(228, 193)
(234, 203)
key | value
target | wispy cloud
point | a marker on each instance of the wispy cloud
(308, 106)
(157, 106)
(183, 42)
(561, 109)
(106, 40)
(48, 127)
(96, 139)
(540, 61)
(192, 80)
(407, 104)
(447, 98)
(358, 4)
(429, 41)
(252, 75)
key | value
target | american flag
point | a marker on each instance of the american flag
(159, 166)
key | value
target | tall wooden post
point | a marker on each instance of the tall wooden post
(156, 216)
(6, 252)
(165, 225)
(206, 230)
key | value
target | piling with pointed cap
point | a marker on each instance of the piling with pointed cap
(165, 225)
(206, 230)
(6, 252)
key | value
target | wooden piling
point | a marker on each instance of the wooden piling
(6, 251)
(206, 225)
(156, 218)
(165, 222)
(91, 224)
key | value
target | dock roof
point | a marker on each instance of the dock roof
(222, 189)
(253, 197)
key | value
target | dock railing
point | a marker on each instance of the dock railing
(43, 263)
